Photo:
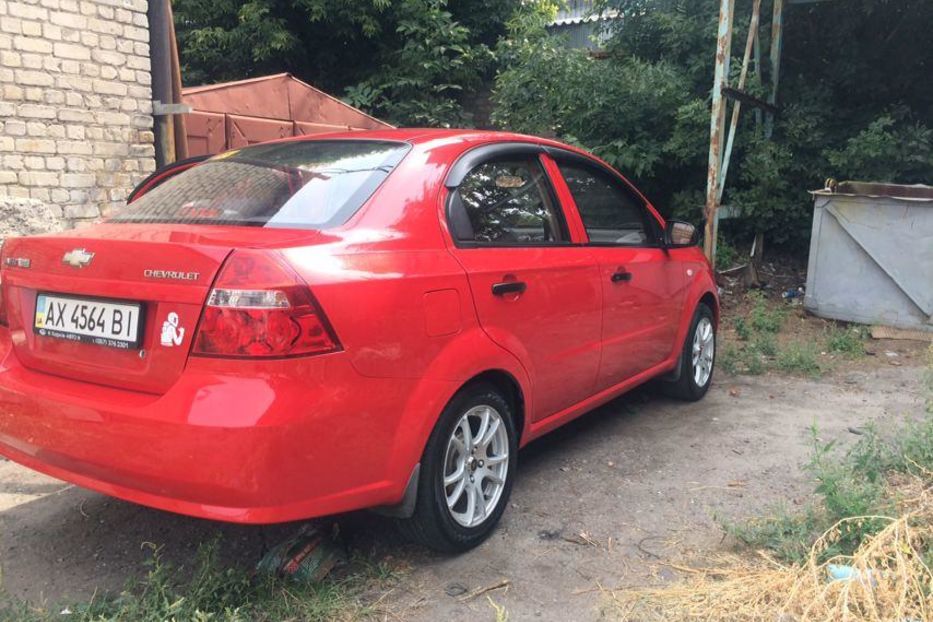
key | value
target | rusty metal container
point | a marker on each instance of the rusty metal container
(236, 114)
(871, 255)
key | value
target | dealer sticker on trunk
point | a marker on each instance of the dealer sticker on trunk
(114, 324)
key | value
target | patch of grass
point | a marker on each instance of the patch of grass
(728, 359)
(742, 330)
(786, 534)
(798, 358)
(847, 341)
(746, 360)
(754, 364)
(758, 351)
(764, 344)
(849, 484)
(213, 593)
(915, 445)
(765, 317)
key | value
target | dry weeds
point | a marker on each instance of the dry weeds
(891, 579)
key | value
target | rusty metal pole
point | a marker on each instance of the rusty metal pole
(717, 123)
(759, 117)
(737, 105)
(180, 126)
(161, 63)
(777, 40)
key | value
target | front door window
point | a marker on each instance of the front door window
(507, 203)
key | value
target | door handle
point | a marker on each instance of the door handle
(508, 287)
(621, 276)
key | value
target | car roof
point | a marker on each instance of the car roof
(437, 136)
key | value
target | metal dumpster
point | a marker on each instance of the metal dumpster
(871, 255)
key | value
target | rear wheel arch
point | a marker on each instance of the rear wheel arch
(710, 301)
(470, 357)
(433, 519)
(511, 390)
(426, 414)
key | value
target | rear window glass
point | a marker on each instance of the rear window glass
(307, 184)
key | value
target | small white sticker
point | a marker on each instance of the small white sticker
(172, 335)
(689, 272)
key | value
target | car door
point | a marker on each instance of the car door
(536, 293)
(641, 282)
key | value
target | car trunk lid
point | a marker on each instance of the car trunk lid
(169, 274)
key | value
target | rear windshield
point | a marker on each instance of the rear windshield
(306, 184)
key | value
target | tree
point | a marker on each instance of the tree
(405, 60)
(854, 104)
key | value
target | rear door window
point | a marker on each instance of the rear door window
(507, 202)
(302, 184)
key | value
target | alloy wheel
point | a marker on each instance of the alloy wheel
(704, 349)
(476, 465)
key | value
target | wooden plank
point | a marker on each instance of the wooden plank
(751, 100)
(889, 332)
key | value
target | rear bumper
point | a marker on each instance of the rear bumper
(256, 448)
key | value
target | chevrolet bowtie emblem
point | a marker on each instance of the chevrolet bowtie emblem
(77, 258)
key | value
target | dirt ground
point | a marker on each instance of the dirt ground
(601, 502)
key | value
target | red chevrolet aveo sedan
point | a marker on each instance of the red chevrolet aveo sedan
(361, 320)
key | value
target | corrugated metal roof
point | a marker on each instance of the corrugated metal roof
(580, 11)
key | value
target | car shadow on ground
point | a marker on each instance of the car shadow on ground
(68, 543)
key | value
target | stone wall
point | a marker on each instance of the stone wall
(75, 105)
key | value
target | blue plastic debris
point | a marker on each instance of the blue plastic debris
(840, 572)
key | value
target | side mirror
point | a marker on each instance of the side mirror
(679, 234)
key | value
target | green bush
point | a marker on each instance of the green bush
(407, 61)
(421, 82)
(850, 485)
(860, 112)
(726, 255)
(891, 148)
(639, 116)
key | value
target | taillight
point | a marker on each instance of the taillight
(260, 307)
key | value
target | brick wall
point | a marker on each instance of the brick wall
(75, 104)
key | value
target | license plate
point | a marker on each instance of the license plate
(88, 320)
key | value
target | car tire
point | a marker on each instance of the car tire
(693, 381)
(461, 524)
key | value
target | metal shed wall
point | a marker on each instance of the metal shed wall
(871, 255)
(236, 114)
